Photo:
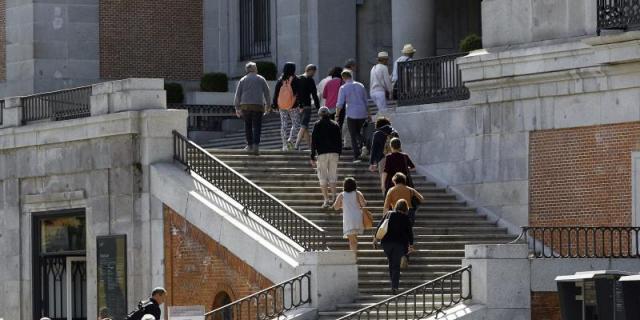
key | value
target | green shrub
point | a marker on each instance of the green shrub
(175, 94)
(214, 82)
(470, 43)
(267, 69)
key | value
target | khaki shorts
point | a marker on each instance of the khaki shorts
(328, 168)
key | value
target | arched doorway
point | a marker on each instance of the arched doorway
(222, 299)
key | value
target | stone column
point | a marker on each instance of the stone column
(413, 21)
(500, 280)
(12, 113)
(334, 277)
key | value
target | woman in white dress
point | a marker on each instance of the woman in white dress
(351, 201)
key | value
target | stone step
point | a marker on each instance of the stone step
(425, 229)
(266, 182)
(449, 245)
(309, 176)
(422, 238)
(315, 208)
(417, 253)
(421, 216)
(367, 190)
(307, 169)
(240, 158)
(316, 195)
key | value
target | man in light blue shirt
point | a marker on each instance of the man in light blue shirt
(353, 97)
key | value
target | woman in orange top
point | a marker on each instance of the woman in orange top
(401, 191)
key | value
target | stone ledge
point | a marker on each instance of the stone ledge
(496, 251)
(53, 197)
(122, 123)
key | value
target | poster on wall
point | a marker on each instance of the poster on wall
(112, 276)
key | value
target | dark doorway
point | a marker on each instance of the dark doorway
(59, 265)
(222, 299)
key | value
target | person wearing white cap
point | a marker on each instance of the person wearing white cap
(407, 54)
(380, 82)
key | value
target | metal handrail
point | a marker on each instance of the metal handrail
(1, 111)
(295, 226)
(431, 80)
(582, 242)
(57, 105)
(269, 303)
(206, 117)
(618, 14)
(425, 293)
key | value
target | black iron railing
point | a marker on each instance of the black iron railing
(206, 117)
(618, 14)
(253, 198)
(1, 111)
(425, 300)
(269, 303)
(582, 242)
(431, 80)
(58, 105)
(255, 29)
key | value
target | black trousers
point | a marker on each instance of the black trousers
(340, 116)
(394, 252)
(252, 126)
(355, 130)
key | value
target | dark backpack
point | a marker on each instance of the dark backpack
(141, 311)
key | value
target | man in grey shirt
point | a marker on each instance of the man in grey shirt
(251, 102)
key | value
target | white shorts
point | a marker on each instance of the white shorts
(328, 168)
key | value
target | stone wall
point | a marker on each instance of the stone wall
(196, 263)
(50, 45)
(99, 164)
(162, 39)
(582, 176)
(481, 148)
(3, 38)
(513, 22)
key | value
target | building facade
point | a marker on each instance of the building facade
(59, 44)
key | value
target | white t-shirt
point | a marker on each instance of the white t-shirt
(380, 80)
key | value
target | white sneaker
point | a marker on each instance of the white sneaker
(326, 205)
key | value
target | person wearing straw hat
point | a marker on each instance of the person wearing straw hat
(407, 55)
(380, 82)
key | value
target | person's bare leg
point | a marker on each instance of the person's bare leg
(301, 135)
(325, 194)
(333, 191)
(353, 242)
(308, 138)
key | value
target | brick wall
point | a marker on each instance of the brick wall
(198, 269)
(3, 45)
(141, 38)
(545, 306)
(582, 176)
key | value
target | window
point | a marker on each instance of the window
(255, 29)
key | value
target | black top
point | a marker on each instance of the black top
(326, 138)
(399, 229)
(295, 86)
(150, 306)
(378, 141)
(307, 90)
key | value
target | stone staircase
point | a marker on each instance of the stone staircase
(443, 227)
